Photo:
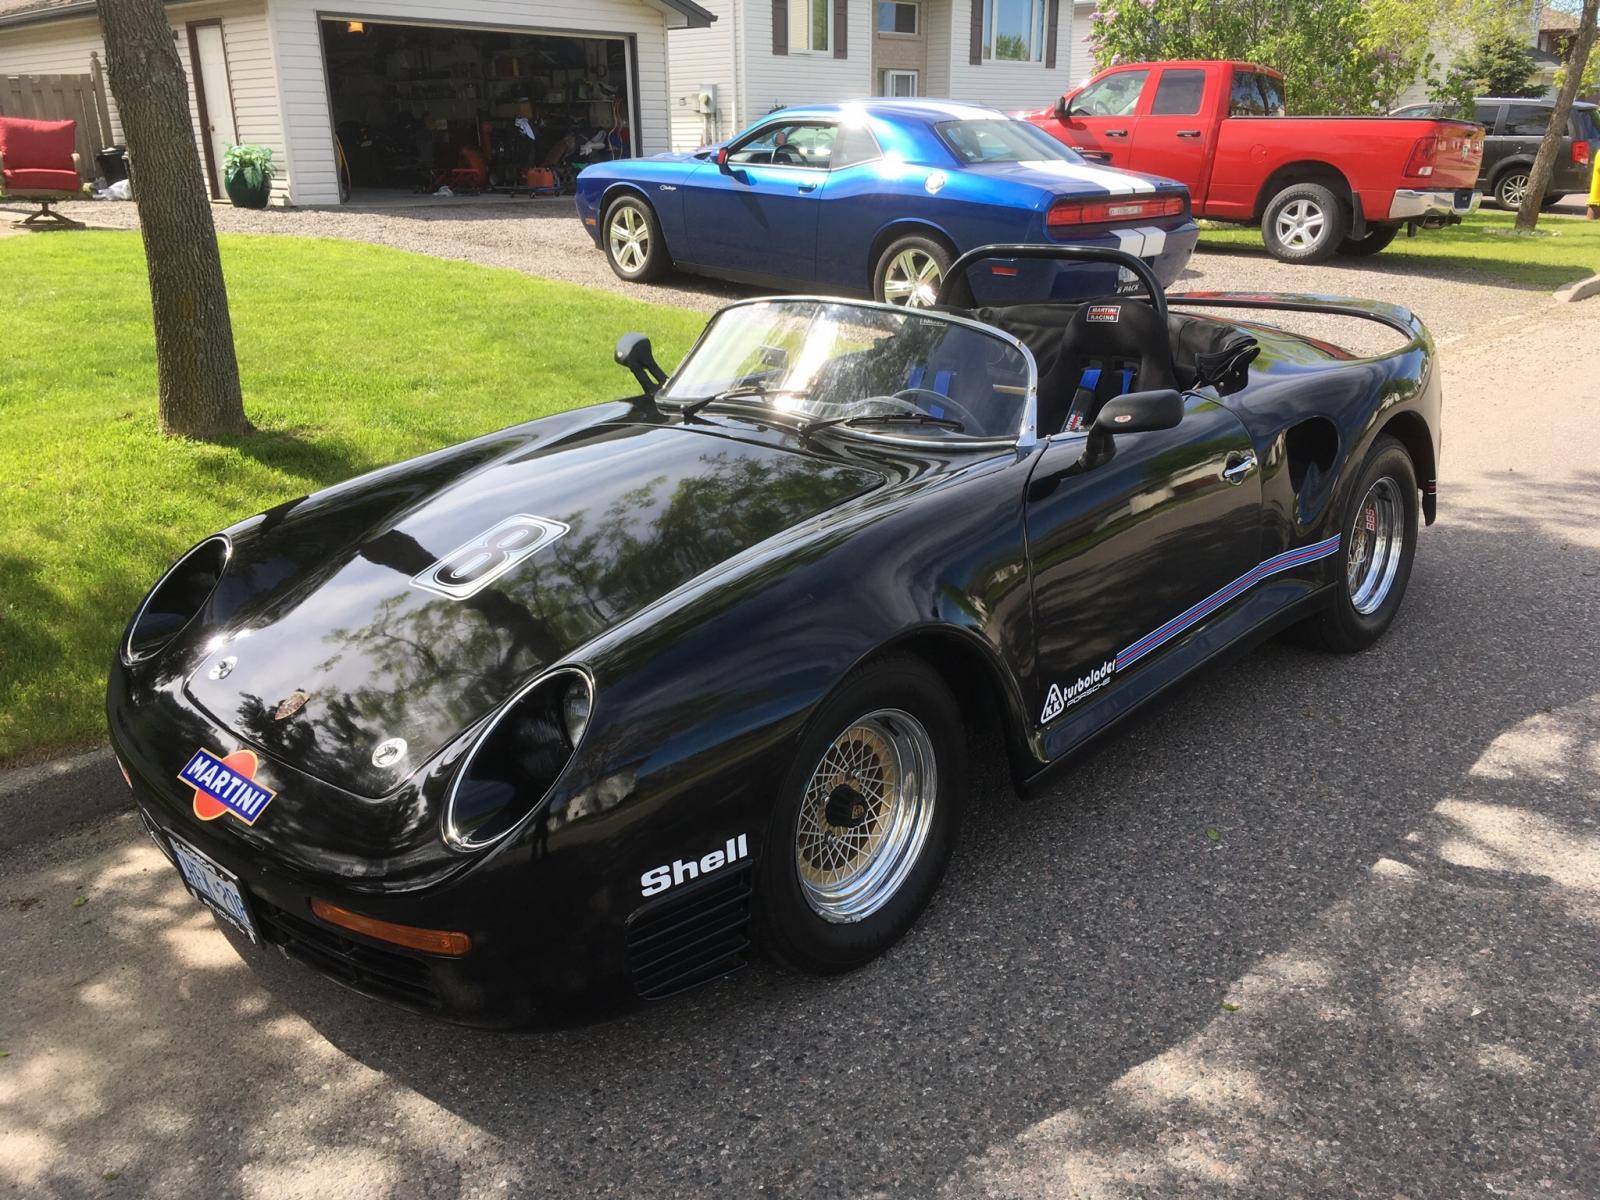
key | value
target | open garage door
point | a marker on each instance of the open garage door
(428, 108)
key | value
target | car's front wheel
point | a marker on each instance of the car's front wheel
(1511, 187)
(1304, 223)
(1378, 543)
(910, 270)
(632, 238)
(866, 821)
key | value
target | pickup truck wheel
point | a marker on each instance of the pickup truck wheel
(1304, 223)
(1378, 236)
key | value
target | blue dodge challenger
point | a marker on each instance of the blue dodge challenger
(879, 197)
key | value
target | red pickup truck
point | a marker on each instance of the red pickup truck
(1318, 185)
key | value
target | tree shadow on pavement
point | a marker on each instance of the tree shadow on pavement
(1317, 925)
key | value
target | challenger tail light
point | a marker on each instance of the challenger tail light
(1580, 153)
(432, 941)
(1105, 212)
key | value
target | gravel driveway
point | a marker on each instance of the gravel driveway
(543, 237)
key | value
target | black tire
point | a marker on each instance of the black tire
(1378, 237)
(1509, 185)
(630, 216)
(1553, 199)
(789, 924)
(918, 248)
(1322, 219)
(1342, 627)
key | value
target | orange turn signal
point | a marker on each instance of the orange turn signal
(433, 941)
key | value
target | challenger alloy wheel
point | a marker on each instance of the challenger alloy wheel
(634, 246)
(865, 815)
(866, 820)
(910, 271)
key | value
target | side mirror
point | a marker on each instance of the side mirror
(634, 352)
(1136, 412)
(722, 159)
(1063, 109)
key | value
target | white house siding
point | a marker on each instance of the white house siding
(63, 48)
(699, 57)
(1076, 48)
(936, 20)
(1006, 85)
(773, 79)
(303, 87)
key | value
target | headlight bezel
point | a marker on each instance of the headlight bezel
(466, 843)
(130, 656)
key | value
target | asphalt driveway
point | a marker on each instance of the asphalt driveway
(1316, 927)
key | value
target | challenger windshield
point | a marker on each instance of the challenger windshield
(877, 371)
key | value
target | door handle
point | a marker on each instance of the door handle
(806, 187)
(1189, 133)
(1238, 466)
(1116, 133)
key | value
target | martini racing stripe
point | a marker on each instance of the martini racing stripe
(1279, 562)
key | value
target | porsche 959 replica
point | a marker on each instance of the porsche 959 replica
(577, 714)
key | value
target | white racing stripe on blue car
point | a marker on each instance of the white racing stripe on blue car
(1116, 183)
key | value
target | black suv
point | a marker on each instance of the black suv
(1514, 129)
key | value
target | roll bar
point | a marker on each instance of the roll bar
(956, 277)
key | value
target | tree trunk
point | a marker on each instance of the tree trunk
(1544, 163)
(194, 337)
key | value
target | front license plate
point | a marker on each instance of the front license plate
(215, 887)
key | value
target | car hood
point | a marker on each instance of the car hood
(1087, 180)
(336, 646)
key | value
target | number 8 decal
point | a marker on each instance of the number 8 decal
(473, 566)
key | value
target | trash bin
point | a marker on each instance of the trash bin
(113, 163)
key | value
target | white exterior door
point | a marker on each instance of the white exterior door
(215, 95)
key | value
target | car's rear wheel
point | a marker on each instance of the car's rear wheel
(632, 237)
(866, 820)
(1552, 199)
(1378, 237)
(1511, 187)
(1378, 543)
(1304, 223)
(910, 270)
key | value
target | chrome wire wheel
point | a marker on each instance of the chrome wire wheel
(629, 235)
(1514, 189)
(912, 279)
(1377, 545)
(1300, 224)
(865, 815)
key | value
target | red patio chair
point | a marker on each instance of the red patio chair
(37, 162)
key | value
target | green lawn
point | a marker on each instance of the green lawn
(351, 357)
(1480, 249)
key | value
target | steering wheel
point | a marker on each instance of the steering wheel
(952, 409)
(788, 156)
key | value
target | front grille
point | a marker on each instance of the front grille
(690, 937)
(364, 967)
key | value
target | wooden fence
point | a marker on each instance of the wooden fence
(80, 98)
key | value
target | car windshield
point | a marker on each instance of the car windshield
(872, 370)
(1001, 140)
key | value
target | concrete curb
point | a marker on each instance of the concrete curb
(48, 799)
(1581, 290)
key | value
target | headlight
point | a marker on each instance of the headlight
(518, 759)
(174, 601)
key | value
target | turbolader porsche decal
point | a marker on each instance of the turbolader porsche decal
(1062, 698)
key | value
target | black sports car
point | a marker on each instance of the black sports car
(570, 715)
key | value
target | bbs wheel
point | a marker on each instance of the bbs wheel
(866, 820)
(1304, 223)
(634, 246)
(909, 272)
(1379, 540)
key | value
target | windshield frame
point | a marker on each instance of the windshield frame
(1026, 436)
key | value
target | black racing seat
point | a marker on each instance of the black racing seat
(1089, 353)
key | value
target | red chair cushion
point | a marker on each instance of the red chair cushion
(38, 145)
(36, 180)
